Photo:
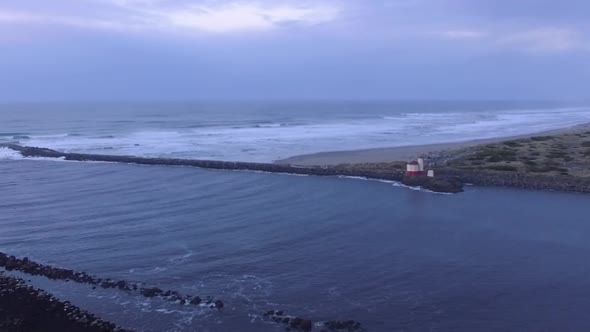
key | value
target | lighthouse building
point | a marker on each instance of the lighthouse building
(413, 169)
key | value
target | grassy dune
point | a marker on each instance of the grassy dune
(563, 154)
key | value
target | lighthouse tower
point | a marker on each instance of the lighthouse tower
(413, 169)
(421, 163)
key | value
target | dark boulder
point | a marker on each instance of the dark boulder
(436, 184)
(151, 292)
(349, 325)
(306, 325)
(296, 322)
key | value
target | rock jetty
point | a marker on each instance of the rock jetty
(562, 183)
(449, 184)
(15, 290)
(25, 265)
(342, 170)
(300, 324)
(20, 302)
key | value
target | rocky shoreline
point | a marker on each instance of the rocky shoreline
(561, 183)
(24, 308)
(36, 303)
(25, 265)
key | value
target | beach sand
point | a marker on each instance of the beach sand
(403, 153)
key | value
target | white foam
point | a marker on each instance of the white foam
(399, 184)
(394, 183)
(266, 142)
(9, 154)
(365, 179)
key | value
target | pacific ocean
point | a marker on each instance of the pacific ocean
(323, 248)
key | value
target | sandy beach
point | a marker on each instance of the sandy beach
(403, 153)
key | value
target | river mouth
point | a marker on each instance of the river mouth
(321, 248)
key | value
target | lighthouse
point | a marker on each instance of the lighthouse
(421, 163)
(413, 169)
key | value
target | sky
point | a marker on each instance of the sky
(137, 50)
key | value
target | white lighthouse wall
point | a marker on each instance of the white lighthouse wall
(421, 163)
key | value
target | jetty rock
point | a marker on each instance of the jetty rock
(436, 184)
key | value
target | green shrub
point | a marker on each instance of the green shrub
(545, 169)
(513, 144)
(494, 154)
(541, 138)
(503, 168)
(556, 154)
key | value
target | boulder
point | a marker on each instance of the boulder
(436, 184)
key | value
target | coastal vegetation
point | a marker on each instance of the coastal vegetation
(566, 154)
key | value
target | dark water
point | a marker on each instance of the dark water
(321, 248)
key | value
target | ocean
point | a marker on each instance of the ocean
(267, 131)
(322, 248)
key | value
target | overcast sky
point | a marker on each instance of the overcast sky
(294, 49)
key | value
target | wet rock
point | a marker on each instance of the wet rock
(23, 308)
(27, 266)
(151, 292)
(122, 285)
(349, 325)
(436, 184)
(300, 324)
(295, 322)
(306, 325)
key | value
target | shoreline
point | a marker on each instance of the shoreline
(515, 161)
(405, 153)
(24, 308)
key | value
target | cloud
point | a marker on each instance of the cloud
(15, 17)
(229, 17)
(247, 16)
(539, 40)
(547, 40)
(12, 17)
(461, 34)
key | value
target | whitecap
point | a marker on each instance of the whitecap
(9, 154)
